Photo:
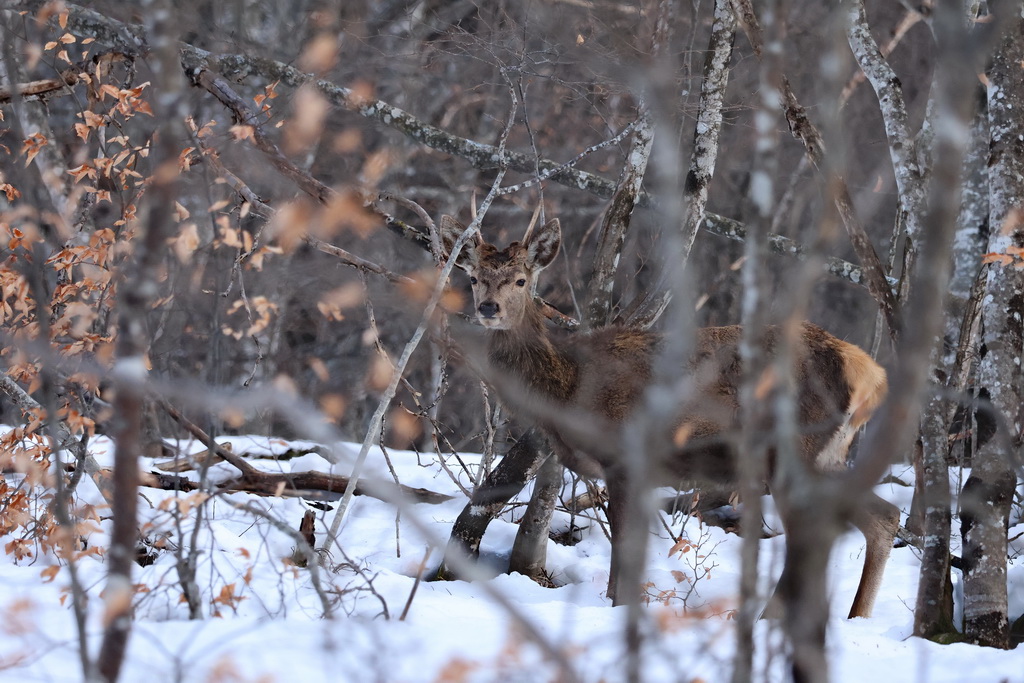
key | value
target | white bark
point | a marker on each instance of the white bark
(709, 120)
(990, 489)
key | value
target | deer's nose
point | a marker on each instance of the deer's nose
(488, 309)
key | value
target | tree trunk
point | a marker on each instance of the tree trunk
(129, 375)
(988, 492)
(754, 316)
(933, 613)
(930, 515)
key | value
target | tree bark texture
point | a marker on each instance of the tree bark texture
(709, 120)
(989, 491)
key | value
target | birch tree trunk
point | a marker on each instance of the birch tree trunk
(754, 316)
(988, 492)
(930, 515)
(709, 120)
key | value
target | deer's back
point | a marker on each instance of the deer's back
(614, 369)
(835, 381)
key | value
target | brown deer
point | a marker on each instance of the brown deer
(598, 378)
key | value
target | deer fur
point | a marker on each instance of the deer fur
(601, 376)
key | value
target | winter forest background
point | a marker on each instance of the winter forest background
(220, 296)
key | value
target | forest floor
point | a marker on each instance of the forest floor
(262, 619)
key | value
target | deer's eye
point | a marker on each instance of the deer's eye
(472, 280)
(521, 282)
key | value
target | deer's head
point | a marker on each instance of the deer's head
(503, 279)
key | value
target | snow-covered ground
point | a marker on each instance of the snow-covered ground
(263, 619)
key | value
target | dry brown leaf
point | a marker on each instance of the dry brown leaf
(186, 242)
(288, 226)
(348, 141)
(320, 53)
(765, 383)
(309, 110)
(405, 426)
(682, 434)
(379, 375)
(333, 406)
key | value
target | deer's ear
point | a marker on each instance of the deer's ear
(542, 246)
(451, 230)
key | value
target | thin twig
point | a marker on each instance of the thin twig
(416, 584)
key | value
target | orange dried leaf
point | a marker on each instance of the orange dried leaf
(333, 405)
(229, 236)
(307, 121)
(682, 434)
(380, 373)
(348, 141)
(320, 54)
(180, 212)
(9, 190)
(765, 384)
(683, 545)
(405, 426)
(32, 146)
(242, 132)
(186, 242)
(994, 257)
(346, 296)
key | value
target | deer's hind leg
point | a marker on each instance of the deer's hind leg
(878, 520)
(617, 491)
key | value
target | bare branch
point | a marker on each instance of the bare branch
(43, 87)
(306, 484)
(709, 121)
(200, 64)
(805, 131)
(615, 223)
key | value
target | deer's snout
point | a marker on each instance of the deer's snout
(488, 309)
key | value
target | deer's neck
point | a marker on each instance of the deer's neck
(528, 354)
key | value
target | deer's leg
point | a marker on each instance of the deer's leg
(518, 466)
(616, 521)
(530, 550)
(878, 520)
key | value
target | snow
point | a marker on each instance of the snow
(263, 619)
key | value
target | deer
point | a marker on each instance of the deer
(598, 379)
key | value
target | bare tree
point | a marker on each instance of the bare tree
(272, 225)
(988, 492)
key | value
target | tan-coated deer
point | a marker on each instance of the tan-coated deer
(603, 375)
